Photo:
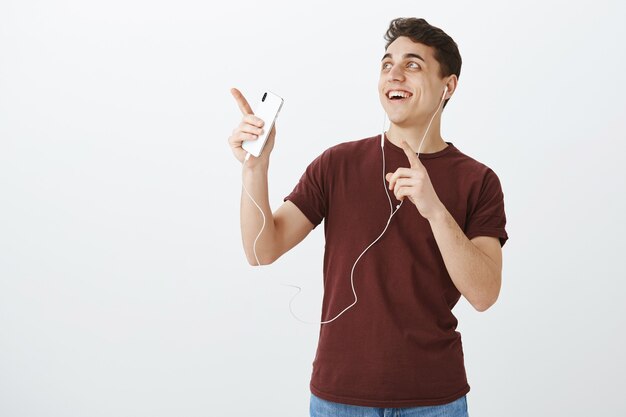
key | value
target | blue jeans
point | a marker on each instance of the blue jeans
(323, 408)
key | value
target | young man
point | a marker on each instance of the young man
(397, 347)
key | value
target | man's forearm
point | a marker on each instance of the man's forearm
(255, 180)
(475, 275)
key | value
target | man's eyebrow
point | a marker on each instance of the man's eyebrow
(409, 55)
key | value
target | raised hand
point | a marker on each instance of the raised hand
(249, 128)
(415, 184)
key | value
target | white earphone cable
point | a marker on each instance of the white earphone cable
(392, 213)
(257, 206)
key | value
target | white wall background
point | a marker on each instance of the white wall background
(124, 290)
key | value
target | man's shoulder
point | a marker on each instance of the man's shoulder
(470, 164)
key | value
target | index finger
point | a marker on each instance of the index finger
(413, 160)
(241, 101)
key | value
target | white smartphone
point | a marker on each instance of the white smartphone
(267, 110)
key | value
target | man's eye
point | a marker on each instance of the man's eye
(386, 65)
(415, 64)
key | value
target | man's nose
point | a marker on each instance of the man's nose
(396, 73)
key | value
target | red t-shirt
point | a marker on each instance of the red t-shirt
(398, 346)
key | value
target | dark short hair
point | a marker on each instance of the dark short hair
(419, 30)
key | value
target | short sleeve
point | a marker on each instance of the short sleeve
(310, 194)
(488, 218)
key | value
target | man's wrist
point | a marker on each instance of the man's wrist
(256, 165)
(439, 214)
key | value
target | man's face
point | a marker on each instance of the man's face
(411, 68)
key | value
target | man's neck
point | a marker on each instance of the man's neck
(413, 136)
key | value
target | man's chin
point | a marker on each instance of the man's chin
(400, 121)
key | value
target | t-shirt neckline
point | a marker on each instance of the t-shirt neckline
(390, 145)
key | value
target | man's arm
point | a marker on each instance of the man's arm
(475, 266)
(283, 230)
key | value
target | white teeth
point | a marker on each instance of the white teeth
(395, 93)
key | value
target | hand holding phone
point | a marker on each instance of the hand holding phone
(253, 128)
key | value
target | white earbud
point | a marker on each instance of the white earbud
(444, 92)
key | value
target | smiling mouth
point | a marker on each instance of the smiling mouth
(398, 96)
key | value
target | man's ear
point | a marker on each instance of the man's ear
(451, 84)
